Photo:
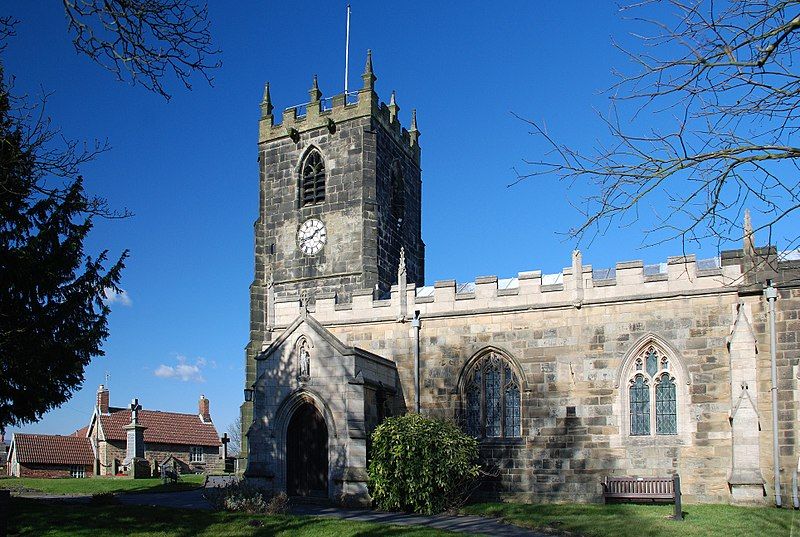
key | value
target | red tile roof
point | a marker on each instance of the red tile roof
(53, 449)
(81, 432)
(162, 428)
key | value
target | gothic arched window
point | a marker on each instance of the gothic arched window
(492, 397)
(312, 179)
(652, 395)
(398, 194)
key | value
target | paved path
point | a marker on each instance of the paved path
(189, 499)
(462, 524)
(193, 499)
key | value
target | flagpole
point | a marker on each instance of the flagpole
(347, 52)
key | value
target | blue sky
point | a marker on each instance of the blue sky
(187, 168)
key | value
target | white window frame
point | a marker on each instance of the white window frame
(77, 472)
(196, 454)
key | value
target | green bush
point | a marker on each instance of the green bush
(237, 497)
(422, 465)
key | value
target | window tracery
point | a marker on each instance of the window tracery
(312, 179)
(652, 395)
(492, 395)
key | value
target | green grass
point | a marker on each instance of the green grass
(97, 485)
(630, 520)
(57, 519)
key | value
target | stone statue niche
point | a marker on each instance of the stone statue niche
(303, 352)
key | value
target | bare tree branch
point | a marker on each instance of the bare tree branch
(704, 126)
(143, 41)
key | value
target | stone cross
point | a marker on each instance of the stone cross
(225, 439)
(135, 408)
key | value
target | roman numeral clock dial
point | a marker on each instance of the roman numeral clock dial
(311, 236)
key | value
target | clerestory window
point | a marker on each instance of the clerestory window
(312, 179)
(492, 399)
(652, 395)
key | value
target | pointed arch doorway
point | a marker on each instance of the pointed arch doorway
(307, 453)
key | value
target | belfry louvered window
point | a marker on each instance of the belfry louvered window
(492, 399)
(652, 395)
(312, 179)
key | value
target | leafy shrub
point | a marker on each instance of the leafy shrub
(420, 464)
(278, 504)
(239, 497)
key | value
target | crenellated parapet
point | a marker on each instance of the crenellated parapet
(327, 113)
(578, 286)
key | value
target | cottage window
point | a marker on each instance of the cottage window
(196, 454)
(312, 179)
(652, 395)
(77, 471)
(493, 399)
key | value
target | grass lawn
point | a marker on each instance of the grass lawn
(94, 485)
(56, 519)
(631, 520)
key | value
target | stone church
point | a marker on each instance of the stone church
(565, 379)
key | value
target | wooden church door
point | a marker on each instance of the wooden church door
(307, 453)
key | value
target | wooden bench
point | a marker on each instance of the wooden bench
(645, 489)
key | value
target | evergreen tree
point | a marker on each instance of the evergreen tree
(52, 316)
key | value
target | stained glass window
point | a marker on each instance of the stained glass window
(666, 406)
(492, 399)
(652, 362)
(653, 394)
(493, 408)
(640, 406)
(312, 188)
(474, 405)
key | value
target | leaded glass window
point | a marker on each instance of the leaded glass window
(492, 399)
(666, 406)
(474, 404)
(493, 405)
(652, 362)
(652, 395)
(640, 406)
(312, 179)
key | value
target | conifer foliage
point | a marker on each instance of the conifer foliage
(52, 316)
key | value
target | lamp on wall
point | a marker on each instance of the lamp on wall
(248, 394)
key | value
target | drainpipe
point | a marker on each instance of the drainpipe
(415, 324)
(771, 294)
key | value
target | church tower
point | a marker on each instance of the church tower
(340, 196)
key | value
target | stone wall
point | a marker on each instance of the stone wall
(571, 357)
(109, 451)
(49, 471)
(361, 143)
(212, 460)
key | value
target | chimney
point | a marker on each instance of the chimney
(102, 399)
(204, 409)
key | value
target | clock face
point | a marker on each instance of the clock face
(311, 236)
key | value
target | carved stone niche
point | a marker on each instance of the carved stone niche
(303, 353)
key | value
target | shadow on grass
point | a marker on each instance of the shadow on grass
(97, 485)
(55, 519)
(632, 520)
